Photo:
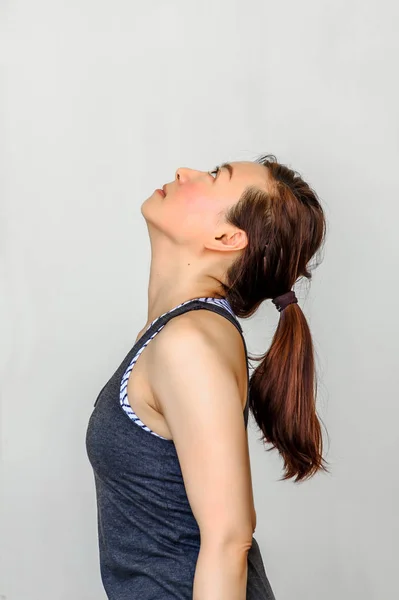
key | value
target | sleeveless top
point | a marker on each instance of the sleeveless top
(148, 537)
(123, 391)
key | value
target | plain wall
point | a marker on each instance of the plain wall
(101, 102)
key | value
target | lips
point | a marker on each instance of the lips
(164, 189)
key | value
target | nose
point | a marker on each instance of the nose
(180, 174)
(183, 174)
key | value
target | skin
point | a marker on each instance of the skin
(190, 245)
(190, 383)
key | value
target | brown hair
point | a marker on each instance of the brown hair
(285, 226)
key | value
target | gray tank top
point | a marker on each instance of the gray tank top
(148, 537)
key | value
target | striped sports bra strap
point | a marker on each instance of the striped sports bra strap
(191, 305)
(188, 306)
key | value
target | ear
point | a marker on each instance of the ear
(234, 240)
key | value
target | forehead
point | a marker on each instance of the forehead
(249, 172)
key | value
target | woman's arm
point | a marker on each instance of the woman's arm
(197, 391)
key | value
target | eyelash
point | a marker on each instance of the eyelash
(215, 171)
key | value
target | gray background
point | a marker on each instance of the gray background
(101, 102)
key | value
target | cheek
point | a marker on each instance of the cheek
(191, 209)
(193, 200)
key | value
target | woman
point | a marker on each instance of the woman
(168, 440)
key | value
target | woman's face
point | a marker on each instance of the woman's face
(195, 201)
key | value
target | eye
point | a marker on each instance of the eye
(216, 170)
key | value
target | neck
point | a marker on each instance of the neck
(178, 275)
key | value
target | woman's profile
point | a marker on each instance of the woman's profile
(167, 438)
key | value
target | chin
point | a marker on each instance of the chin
(146, 209)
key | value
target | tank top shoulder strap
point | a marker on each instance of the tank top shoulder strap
(200, 304)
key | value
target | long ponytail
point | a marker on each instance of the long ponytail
(282, 396)
(285, 226)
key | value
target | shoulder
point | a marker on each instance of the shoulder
(195, 350)
(195, 347)
(205, 331)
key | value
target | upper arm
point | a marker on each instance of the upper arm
(197, 391)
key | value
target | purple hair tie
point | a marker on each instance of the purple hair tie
(281, 302)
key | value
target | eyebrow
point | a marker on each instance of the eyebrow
(229, 168)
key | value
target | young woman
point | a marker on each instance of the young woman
(167, 438)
